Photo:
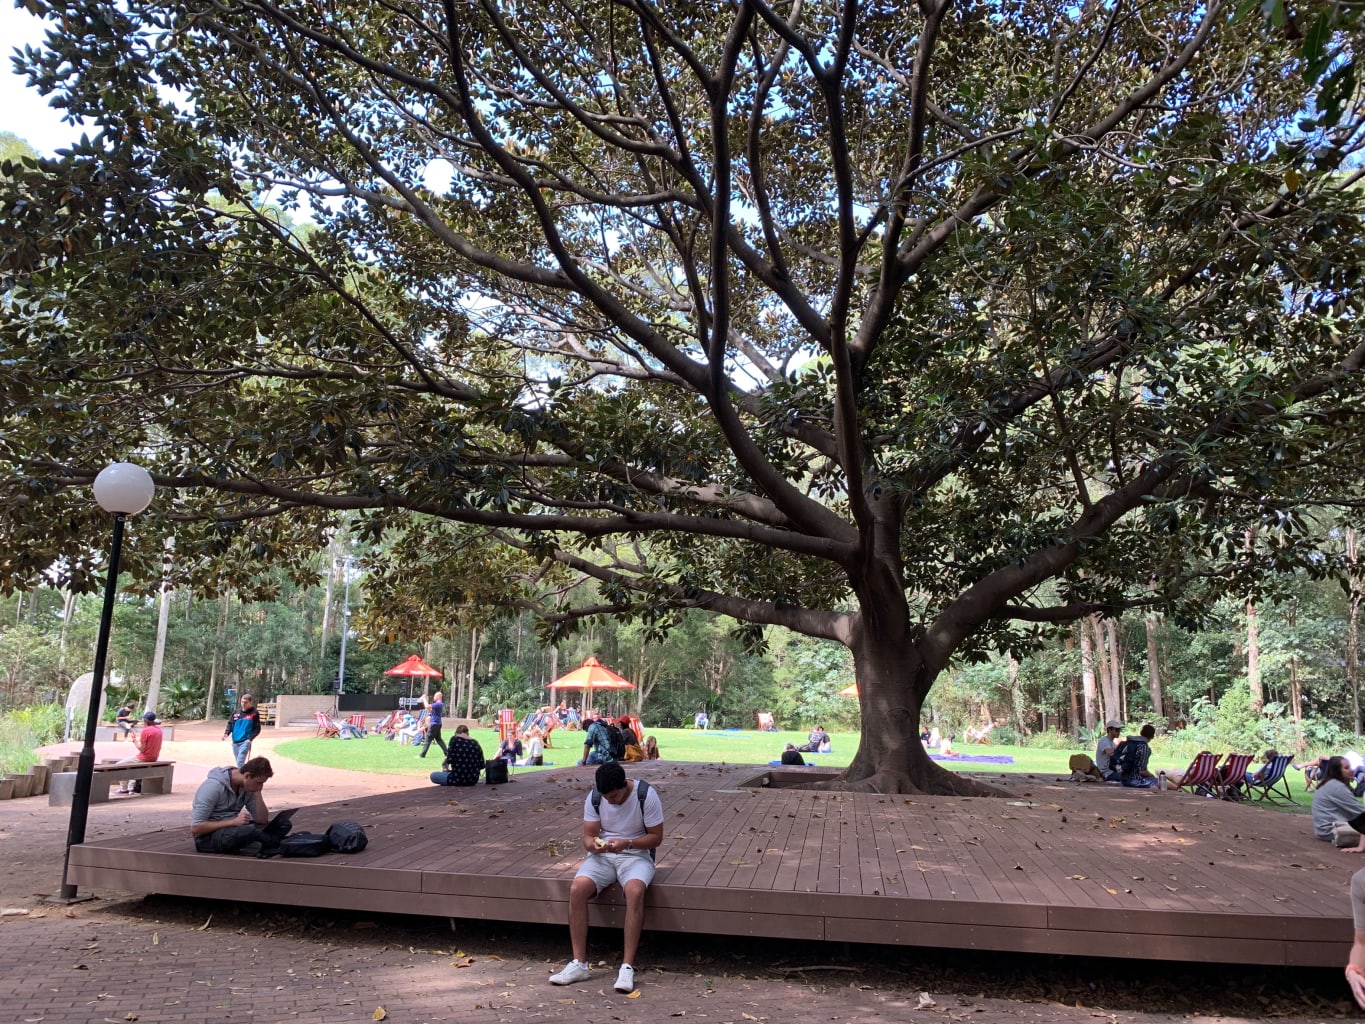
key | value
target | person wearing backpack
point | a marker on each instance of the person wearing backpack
(596, 742)
(623, 824)
(1130, 764)
(616, 739)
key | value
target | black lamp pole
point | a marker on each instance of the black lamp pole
(124, 489)
(85, 767)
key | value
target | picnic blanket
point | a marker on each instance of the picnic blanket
(979, 758)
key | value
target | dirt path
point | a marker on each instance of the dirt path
(126, 958)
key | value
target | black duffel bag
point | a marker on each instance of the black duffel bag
(347, 837)
(305, 844)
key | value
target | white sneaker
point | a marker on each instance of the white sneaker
(575, 971)
(625, 979)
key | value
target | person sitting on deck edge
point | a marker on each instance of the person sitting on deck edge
(229, 814)
(623, 823)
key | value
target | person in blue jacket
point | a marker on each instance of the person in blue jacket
(242, 728)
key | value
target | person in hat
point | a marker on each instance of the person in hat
(1108, 746)
(148, 743)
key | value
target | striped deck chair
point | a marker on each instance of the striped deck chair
(1272, 784)
(326, 727)
(1233, 776)
(1201, 777)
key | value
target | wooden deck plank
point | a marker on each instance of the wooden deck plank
(834, 866)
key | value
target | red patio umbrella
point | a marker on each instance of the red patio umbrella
(413, 668)
(589, 676)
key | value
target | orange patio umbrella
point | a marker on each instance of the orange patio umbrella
(589, 676)
(413, 668)
(851, 690)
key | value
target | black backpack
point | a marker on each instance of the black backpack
(641, 790)
(305, 844)
(1122, 764)
(616, 743)
(347, 837)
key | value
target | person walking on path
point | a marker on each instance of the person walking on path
(242, 728)
(436, 709)
(623, 824)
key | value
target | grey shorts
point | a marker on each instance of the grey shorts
(606, 868)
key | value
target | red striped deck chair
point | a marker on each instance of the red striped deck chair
(1201, 776)
(1233, 776)
(326, 727)
(507, 724)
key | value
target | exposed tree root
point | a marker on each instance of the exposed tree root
(942, 783)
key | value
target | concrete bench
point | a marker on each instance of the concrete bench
(155, 777)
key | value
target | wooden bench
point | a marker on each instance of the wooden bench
(268, 712)
(155, 777)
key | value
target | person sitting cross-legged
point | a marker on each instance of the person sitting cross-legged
(229, 814)
(1131, 765)
(623, 822)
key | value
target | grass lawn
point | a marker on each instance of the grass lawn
(716, 746)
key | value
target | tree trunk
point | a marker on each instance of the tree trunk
(1154, 667)
(216, 660)
(1088, 674)
(1353, 625)
(1254, 658)
(473, 665)
(1116, 683)
(893, 681)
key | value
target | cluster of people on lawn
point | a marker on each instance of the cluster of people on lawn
(1127, 761)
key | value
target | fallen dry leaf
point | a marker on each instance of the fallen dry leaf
(925, 1002)
(636, 995)
(379, 1013)
(205, 926)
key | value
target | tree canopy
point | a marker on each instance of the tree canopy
(915, 328)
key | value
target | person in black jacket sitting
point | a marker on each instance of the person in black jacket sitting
(792, 756)
(464, 761)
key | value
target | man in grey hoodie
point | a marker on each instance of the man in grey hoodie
(229, 814)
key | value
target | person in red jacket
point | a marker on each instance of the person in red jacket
(148, 743)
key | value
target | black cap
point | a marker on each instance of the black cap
(149, 716)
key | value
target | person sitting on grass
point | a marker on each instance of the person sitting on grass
(1131, 765)
(651, 749)
(817, 737)
(792, 756)
(1335, 805)
(463, 761)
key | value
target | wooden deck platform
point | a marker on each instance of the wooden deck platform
(1053, 868)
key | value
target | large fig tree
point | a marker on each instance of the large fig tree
(916, 327)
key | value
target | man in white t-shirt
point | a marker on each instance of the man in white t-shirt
(623, 823)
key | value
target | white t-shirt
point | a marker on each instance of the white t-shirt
(624, 821)
(535, 747)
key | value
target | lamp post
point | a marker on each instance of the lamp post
(125, 490)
